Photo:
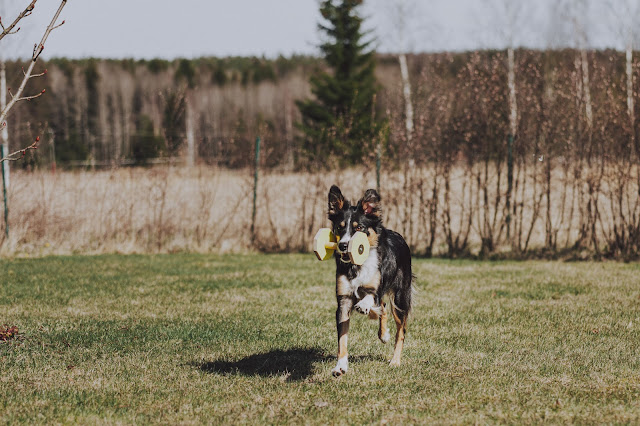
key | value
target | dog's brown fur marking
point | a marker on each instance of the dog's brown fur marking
(373, 238)
(345, 304)
(383, 322)
(401, 325)
(342, 286)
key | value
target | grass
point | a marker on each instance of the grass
(189, 338)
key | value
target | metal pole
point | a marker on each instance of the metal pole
(255, 191)
(4, 194)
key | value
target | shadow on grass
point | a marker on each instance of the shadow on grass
(297, 363)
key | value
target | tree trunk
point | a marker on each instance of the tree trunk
(585, 88)
(513, 106)
(406, 91)
(630, 105)
(4, 134)
(513, 125)
(191, 146)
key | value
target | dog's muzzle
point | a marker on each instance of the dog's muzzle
(343, 246)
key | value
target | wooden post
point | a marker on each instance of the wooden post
(378, 160)
(255, 191)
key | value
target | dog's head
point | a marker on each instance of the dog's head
(365, 216)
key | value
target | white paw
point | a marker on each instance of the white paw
(365, 305)
(341, 367)
(385, 337)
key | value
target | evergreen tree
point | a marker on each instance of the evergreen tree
(145, 145)
(339, 122)
(174, 120)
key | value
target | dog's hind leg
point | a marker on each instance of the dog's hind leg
(400, 306)
(383, 331)
(401, 324)
(345, 304)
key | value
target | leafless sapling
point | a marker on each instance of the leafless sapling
(28, 73)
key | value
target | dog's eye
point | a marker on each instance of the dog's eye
(359, 228)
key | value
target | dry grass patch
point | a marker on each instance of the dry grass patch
(207, 209)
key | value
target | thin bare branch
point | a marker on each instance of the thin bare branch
(28, 98)
(15, 156)
(37, 50)
(43, 73)
(58, 26)
(25, 13)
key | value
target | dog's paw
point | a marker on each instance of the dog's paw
(341, 367)
(365, 305)
(384, 338)
(394, 362)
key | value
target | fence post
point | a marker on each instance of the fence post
(4, 195)
(378, 155)
(255, 192)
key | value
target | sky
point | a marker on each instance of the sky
(189, 28)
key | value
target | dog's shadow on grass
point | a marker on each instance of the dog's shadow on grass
(296, 364)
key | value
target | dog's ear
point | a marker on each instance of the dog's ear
(370, 203)
(336, 200)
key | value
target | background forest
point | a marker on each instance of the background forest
(575, 169)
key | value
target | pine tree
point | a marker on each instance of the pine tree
(339, 123)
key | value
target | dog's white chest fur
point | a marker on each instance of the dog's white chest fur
(367, 273)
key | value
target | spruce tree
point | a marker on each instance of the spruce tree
(339, 123)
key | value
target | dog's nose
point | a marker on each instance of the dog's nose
(343, 246)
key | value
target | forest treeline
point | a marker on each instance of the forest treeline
(116, 112)
(455, 185)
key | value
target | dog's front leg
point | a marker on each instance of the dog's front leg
(345, 304)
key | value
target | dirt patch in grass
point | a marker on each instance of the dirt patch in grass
(8, 333)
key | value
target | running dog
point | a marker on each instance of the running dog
(386, 274)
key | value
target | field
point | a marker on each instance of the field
(192, 338)
(209, 210)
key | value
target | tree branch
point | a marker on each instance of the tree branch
(15, 156)
(37, 50)
(24, 14)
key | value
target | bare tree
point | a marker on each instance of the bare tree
(10, 29)
(511, 16)
(401, 10)
(625, 18)
(623, 231)
(405, 21)
(575, 15)
(28, 73)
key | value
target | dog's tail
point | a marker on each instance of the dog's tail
(413, 290)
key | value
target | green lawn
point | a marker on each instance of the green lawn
(251, 339)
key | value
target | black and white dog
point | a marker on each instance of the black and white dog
(385, 273)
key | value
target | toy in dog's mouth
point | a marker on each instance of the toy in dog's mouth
(344, 258)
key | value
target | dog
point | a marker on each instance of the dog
(386, 273)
